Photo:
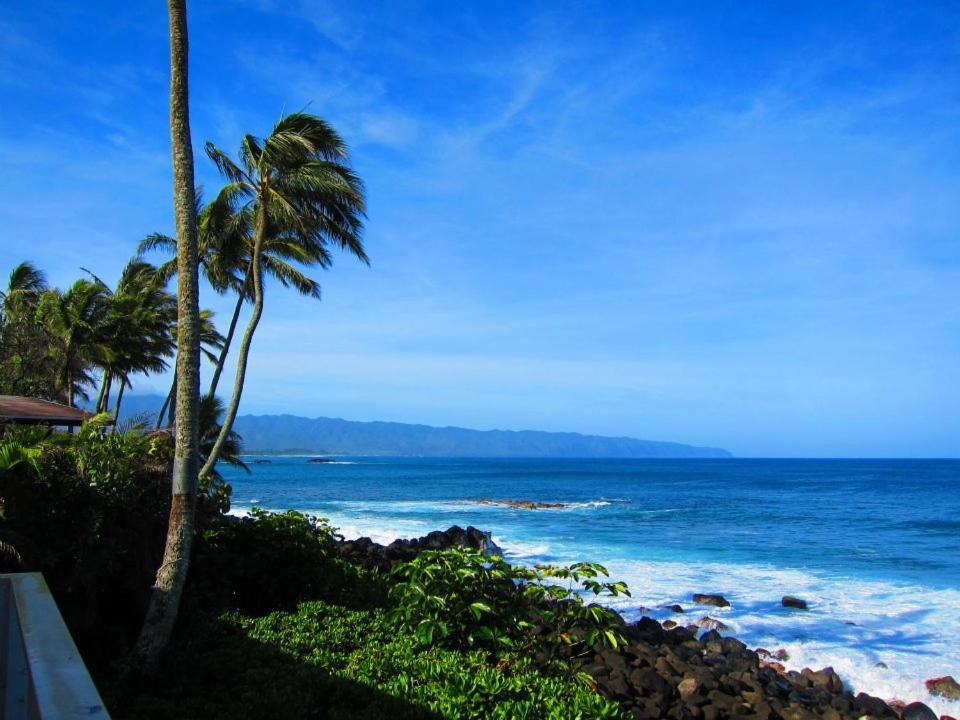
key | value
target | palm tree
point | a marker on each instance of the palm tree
(296, 185)
(172, 574)
(225, 245)
(139, 325)
(24, 287)
(76, 323)
(27, 366)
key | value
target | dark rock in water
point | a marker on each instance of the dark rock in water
(371, 554)
(918, 711)
(881, 664)
(522, 504)
(710, 624)
(319, 460)
(826, 679)
(669, 624)
(672, 608)
(874, 706)
(708, 599)
(794, 602)
(945, 687)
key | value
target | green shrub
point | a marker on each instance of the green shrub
(324, 661)
(270, 561)
(464, 599)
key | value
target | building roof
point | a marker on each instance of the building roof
(14, 408)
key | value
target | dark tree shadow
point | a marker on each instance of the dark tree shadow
(217, 672)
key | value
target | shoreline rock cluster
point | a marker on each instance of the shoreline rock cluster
(370, 554)
(521, 504)
(666, 671)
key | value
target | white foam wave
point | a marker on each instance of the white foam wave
(516, 550)
(852, 625)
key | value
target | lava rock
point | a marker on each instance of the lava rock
(945, 687)
(708, 599)
(710, 624)
(794, 602)
(918, 711)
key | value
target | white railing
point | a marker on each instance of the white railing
(41, 672)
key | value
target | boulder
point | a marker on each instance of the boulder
(918, 711)
(826, 679)
(672, 608)
(710, 624)
(708, 599)
(793, 602)
(873, 706)
(945, 687)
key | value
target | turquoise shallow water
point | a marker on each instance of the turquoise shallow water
(874, 545)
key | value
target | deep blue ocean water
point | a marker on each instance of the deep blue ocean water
(873, 545)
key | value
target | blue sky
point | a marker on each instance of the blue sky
(732, 224)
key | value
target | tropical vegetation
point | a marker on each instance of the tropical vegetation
(272, 620)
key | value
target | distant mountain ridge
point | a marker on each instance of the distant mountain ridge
(279, 434)
(333, 436)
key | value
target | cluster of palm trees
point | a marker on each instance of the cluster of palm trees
(289, 199)
(59, 343)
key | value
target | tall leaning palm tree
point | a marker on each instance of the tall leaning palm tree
(297, 186)
(225, 245)
(172, 574)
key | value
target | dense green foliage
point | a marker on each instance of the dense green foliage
(272, 561)
(463, 599)
(325, 661)
(89, 511)
(276, 623)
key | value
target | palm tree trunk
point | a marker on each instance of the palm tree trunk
(116, 410)
(104, 390)
(166, 402)
(229, 339)
(244, 351)
(172, 574)
(172, 410)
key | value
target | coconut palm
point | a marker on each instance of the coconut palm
(296, 185)
(27, 367)
(76, 323)
(139, 324)
(225, 244)
(172, 573)
(24, 287)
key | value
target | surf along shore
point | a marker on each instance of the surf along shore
(685, 670)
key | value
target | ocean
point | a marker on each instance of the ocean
(872, 545)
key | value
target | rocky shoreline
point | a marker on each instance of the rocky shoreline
(667, 671)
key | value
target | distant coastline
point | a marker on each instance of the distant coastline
(294, 435)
